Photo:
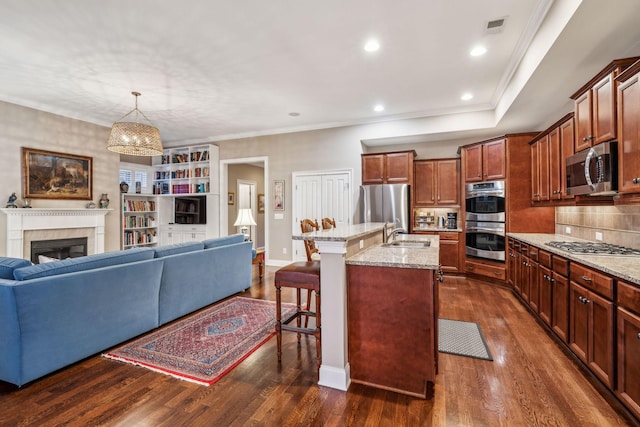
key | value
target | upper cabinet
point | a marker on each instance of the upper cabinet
(485, 162)
(437, 182)
(548, 167)
(595, 106)
(629, 130)
(388, 168)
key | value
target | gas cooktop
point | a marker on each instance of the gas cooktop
(593, 248)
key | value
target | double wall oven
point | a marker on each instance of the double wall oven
(485, 220)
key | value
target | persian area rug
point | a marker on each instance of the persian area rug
(203, 347)
(462, 338)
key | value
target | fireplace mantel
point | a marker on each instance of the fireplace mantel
(20, 220)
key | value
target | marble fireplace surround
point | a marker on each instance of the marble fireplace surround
(26, 225)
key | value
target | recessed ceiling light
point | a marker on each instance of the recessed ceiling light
(378, 108)
(466, 96)
(372, 45)
(478, 51)
(294, 114)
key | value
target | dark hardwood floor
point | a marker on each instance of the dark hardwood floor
(531, 382)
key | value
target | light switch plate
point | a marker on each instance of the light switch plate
(598, 235)
(567, 230)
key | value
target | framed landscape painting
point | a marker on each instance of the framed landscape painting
(51, 175)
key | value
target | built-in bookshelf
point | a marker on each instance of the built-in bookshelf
(185, 170)
(139, 220)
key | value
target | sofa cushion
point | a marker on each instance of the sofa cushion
(89, 262)
(223, 241)
(178, 248)
(8, 264)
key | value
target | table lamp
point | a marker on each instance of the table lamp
(244, 220)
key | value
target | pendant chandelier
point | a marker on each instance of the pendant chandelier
(135, 138)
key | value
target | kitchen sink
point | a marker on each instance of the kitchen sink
(407, 244)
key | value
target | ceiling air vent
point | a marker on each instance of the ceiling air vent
(495, 26)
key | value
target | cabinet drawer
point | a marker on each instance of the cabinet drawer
(545, 258)
(524, 249)
(629, 296)
(560, 265)
(592, 280)
(533, 253)
(497, 272)
(444, 235)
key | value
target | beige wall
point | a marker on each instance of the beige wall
(26, 127)
(619, 225)
(248, 173)
(328, 149)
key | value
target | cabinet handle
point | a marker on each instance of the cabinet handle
(583, 300)
(586, 279)
(470, 267)
(497, 273)
(440, 276)
(636, 180)
(545, 277)
(638, 336)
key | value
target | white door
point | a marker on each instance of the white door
(318, 195)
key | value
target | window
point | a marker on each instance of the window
(132, 173)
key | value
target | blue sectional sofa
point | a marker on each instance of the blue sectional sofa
(55, 314)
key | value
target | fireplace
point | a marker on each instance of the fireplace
(58, 248)
(26, 225)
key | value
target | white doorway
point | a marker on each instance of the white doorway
(225, 220)
(248, 199)
(317, 195)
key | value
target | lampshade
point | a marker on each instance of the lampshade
(135, 138)
(244, 218)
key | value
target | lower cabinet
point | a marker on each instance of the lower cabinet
(577, 303)
(392, 323)
(484, 268)
(628, 346)
(591, 331)
(178, 233)
(449, 250)
(560, 306)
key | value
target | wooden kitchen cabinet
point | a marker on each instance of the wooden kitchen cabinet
(388, 168)
(595, 106)
(628, 129)
(540, 169)
(591, 321)
(567, 138)
(560, 297)
(484, 162)
(513, 262)
(437, 182)
(628, 346)
(549, 152)
(392, 323)
(545, 277)
(449, 254)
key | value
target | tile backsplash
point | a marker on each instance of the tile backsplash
(619, 225)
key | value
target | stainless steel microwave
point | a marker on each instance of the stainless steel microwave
(594, 170)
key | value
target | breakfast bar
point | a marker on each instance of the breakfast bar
(359, 245)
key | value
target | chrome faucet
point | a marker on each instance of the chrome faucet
(393, 233)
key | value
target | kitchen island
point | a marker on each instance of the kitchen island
(357, 245)
(392, 301)
(335, 246)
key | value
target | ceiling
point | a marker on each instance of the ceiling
(216, 70)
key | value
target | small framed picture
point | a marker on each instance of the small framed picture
(278, 195)
(260, 203)
(231, 198)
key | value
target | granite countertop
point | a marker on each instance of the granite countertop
(342, 233)
(626, 267)
(422, 258)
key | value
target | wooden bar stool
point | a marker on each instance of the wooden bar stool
(299, 275)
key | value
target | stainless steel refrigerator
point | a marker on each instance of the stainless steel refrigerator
(385, 203)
